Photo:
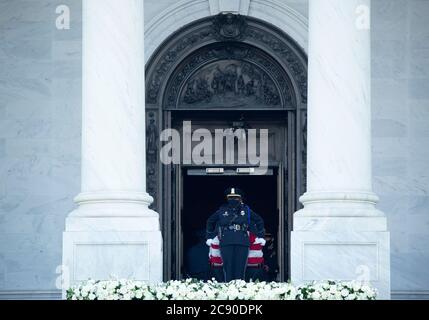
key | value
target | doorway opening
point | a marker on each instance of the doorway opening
(204, 193)
(215, 69)
(240, 73)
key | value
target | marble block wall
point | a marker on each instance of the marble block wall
(40, 124)
(400, 97)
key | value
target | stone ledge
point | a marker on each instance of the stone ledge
(30, 294)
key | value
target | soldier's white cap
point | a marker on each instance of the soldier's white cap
(233, 192)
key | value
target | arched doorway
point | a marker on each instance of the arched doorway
(227, 72)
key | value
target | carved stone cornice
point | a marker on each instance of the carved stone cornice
(230, 28)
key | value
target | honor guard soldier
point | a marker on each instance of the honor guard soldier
(232, 223)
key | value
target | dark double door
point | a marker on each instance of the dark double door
(197, 191)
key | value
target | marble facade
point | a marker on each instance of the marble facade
(40, 134)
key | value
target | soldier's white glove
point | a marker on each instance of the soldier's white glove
(260, 241)
(209, 242)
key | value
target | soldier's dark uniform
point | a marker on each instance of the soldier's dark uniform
(231, 223)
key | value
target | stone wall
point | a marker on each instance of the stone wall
(40, 123)
(400, 100)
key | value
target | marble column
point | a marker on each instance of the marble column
(339, 234)
(113, 233)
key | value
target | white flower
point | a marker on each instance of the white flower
(370, 294)
(351, 296)
(238, 289)
(326, 285)
(365, 288)
(148, 296)
(318, 287)
(356, 287)
(139, 294)
(123, 290)
(191, 295)
(344, 293)
(324, 295)
(102, 294)
(315, 295)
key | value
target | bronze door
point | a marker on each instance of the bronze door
(181, 186)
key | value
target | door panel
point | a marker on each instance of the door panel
(178, 219)
(278, 154)
(281, 229)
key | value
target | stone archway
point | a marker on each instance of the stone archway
(267, 58)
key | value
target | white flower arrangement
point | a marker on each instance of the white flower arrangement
(191, 289)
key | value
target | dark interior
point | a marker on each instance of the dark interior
(204, 194)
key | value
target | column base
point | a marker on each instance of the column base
(341, 236)
(112, 239)
(342, 256)
(105, 255)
